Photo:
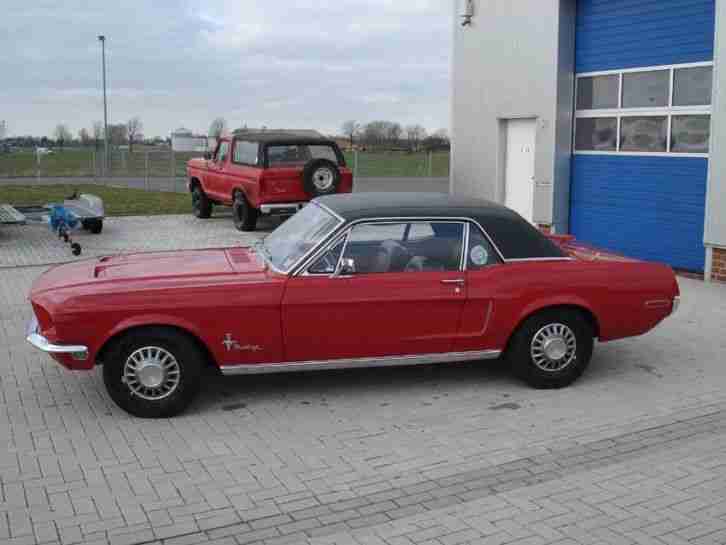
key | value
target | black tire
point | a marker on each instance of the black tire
(245, 216)
(201, 205)
(156, 403)
(530, 361)
(321, 177)
(95, 226)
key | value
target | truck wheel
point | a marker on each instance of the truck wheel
(153, 372)
(552, 348)
(95, 226)
(201, 205)
(245, 216)
(321, 177)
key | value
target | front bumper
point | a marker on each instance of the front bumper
(33, 336)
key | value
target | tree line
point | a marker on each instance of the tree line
(391, 135)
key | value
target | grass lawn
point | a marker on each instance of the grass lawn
(117, 201)
(398, 164)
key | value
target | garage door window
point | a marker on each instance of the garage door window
(663, 110)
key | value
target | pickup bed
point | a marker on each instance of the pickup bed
(266, 173)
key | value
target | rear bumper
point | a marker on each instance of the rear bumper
(282, 209)
(33, 336)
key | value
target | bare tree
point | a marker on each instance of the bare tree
(218, 127)
(62, 134)
(97, 132)
(133, 129)
(84, 137)
(351, 129)
(117, 134)
(415, 135)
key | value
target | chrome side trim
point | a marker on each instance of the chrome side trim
(525, 259)
(271, 208)
(390, 361)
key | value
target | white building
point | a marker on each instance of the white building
(183, 140)
(604, 119)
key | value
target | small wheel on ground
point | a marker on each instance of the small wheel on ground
(153, 372)
(321, 177)
(95, 226)
(201, 205)
(245, 215)
(552, 348)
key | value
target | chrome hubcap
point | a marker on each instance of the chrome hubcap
(151, 373)
(323, 179)
(554, 347)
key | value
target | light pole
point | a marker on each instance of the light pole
(102, 39)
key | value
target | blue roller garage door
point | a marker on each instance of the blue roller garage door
(640, 167)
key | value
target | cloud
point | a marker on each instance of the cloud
(284, 63)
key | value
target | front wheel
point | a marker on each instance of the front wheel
(245, 215)
(153, 372)
(201, 205)
(552, 348)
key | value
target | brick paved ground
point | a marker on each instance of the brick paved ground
(457, 454)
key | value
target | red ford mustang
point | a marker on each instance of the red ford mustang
(350, 281)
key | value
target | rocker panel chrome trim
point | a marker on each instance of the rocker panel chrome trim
(390, 361)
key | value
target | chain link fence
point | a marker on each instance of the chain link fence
(148, 166)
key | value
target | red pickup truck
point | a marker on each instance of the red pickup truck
(266, 173)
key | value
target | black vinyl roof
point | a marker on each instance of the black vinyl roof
(515, 237)
(282, 137)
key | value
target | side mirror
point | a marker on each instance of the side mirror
(347, 267)
(208, 155)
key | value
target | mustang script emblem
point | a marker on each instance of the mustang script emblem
(230, 344)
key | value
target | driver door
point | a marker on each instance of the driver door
(405, 297)
(215, 175)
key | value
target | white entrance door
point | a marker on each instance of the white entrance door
(519, 167)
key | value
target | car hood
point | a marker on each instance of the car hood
(151, 267)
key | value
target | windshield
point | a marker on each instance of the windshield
(297, 236)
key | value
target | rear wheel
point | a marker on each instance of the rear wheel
(245, 216)
(201, 205)
(552, 348)
(153, 372)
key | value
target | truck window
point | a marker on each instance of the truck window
(299, 155)
(245, 153)
(222, 153)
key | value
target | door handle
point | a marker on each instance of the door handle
(456, 282)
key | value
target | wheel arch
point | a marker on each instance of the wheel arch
(578, 306)
(124, 329)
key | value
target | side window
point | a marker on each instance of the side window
(480, 254)
(245, 153)
(222, 152)
(323, 152)
(328, 262)
(282, 156)
(406, 247)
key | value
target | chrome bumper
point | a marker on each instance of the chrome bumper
(78, 352)
(282, 208)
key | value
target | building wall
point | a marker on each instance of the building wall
(514, 61)
(715, 229)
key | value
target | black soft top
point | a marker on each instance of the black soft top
(514, 236)
(287, 138)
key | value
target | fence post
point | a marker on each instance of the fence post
(146, 169)
(355, 163)
(37, 168)
(173, 169)
(431, 164)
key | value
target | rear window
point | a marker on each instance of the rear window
(299, 155)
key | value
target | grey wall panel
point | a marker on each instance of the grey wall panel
(506, 65)
(715, 228)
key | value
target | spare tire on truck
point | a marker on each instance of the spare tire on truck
(321, 177)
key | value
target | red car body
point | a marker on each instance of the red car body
(269, 186)
(248, 316)
(212, 292)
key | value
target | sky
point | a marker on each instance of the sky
(181, 63)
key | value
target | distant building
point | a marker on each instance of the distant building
(184, 140)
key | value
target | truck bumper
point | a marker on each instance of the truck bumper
(282, 209)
